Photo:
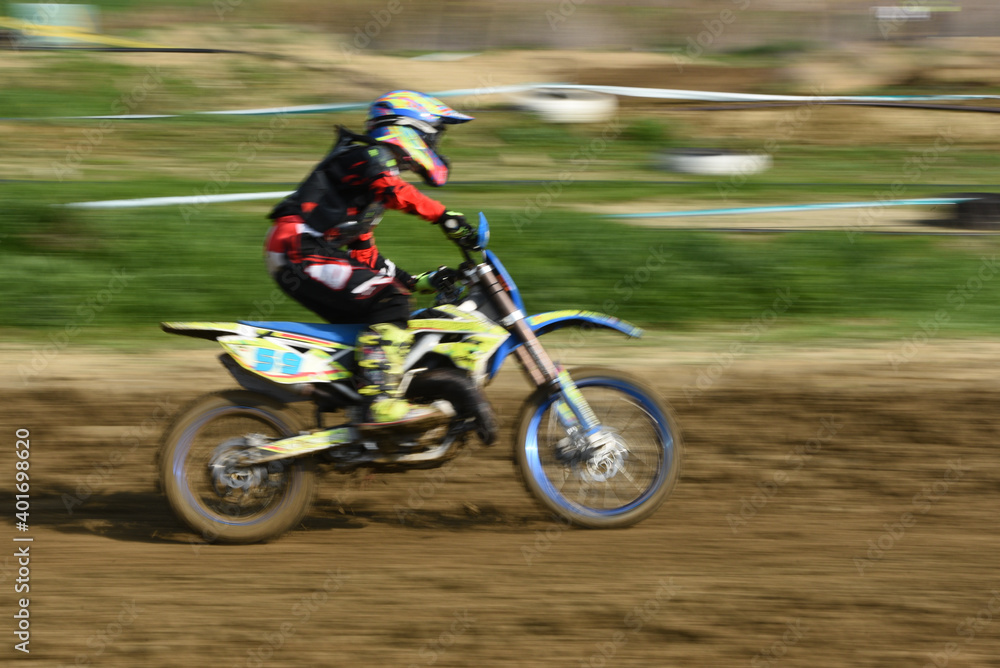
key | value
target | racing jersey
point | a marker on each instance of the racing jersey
(345, 195)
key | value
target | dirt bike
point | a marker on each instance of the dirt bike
(594, 446)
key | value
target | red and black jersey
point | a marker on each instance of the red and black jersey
(331, 216)
(344, 196)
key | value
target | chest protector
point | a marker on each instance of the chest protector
(336, 199)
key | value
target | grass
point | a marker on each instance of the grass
(62, 84)
(115, 274)
(126, 270)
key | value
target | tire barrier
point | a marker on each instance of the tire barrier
(713, 162)
(567, 105)
(975, 211)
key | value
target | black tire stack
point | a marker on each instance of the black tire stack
(977, 211)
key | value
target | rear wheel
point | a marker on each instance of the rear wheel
(617, 484)
(211, 491)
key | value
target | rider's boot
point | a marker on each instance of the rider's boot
(381, 351)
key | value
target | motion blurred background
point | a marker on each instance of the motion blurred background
(866, 334)
(532, 177)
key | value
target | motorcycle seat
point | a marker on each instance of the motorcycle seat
(345, 334)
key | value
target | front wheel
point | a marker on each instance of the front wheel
(617, 484)
(208, 486)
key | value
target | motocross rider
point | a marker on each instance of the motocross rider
(321, 248)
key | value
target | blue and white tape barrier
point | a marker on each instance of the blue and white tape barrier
(625, 91)
(246, 197)
(928, 201)
(171, 201)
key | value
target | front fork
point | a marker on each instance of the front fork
(571, 409)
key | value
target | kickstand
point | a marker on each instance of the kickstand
(319, 418)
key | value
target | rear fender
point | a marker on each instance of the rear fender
(286, 358)
(206, 330)
(543, 323)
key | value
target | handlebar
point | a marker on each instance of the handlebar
(452, 293)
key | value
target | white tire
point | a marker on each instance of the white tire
(714, 162)
(563, 105)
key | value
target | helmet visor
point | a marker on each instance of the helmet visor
(424, 160)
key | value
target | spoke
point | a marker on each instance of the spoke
(549, 427)
(643, 454)
(562, 483)
(629, 477)
(620, 415)
(611, 407)
(618, 501)
(635, 454)
(234, 504)
(628, 424)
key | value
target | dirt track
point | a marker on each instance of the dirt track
(797, 463)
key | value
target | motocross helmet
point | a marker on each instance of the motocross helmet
(414, 122)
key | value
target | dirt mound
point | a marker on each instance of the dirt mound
(833, 511)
